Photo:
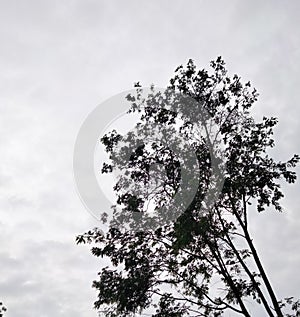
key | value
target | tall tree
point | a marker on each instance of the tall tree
(174, 268)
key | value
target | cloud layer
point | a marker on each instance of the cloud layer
(58, 60)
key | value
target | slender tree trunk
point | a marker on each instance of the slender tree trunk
(229, 280)
(258, 262)
(260, 293)
(263, 275)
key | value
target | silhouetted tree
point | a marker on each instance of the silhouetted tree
(174, 268)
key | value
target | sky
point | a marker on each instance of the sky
(58, 61)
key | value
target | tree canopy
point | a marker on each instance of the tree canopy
(205, 262)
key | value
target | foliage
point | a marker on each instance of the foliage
(174, 268)
(2, 309)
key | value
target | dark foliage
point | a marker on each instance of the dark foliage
(174, 268)
(2, 310)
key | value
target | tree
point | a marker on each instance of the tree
(173, 268)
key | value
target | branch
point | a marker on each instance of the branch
(231, 244)
(257, 260)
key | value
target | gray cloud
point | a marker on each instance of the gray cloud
(58, 61)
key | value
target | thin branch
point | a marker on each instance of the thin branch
(257, 260)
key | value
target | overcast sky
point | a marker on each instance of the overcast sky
(58, 60)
